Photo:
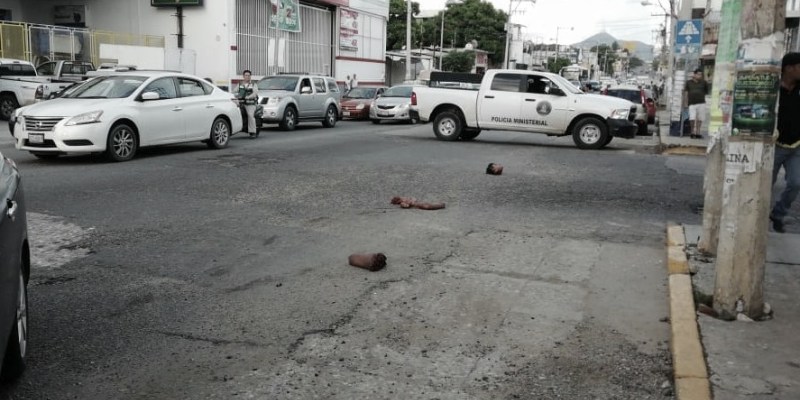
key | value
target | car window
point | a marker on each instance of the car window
(278, 83)
(506, 82)
(111, 87)
(165, 87)
(399, 91)
(627, 94)
(190, 87)
(539, 84)
(46, 69)
(17, 70)
(319, 85)
(361, 93)
(332, 86)
(207, 88)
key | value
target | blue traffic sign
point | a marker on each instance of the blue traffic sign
(689, 32)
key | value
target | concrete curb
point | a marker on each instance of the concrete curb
(685, 150)
(689, 364)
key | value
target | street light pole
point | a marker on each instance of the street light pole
(408, 40)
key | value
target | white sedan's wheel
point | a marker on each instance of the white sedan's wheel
(220, 134)
(122, 143)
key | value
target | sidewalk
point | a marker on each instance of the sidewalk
(677, 144)
(745, 360)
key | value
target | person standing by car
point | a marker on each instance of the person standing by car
(347, 85)
(787, 147)
(248, 97)
(694, 96)
(354, 82)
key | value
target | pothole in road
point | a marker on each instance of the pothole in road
(54, 241)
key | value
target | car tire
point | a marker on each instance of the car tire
(259, 123)
(590, 133)
(331, 116)
(45, 156)
(608, 140)
(376, 121)
(289, 120)
(122, 143)
(447, 125)
(8, 103)
(17, 347)
(469, 134)
(642, 130)
(220, 134)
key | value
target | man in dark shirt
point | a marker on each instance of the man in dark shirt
(787, 148)
(694, 96)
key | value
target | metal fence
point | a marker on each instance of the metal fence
(39, 43)
(310, 50)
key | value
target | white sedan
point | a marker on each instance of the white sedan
(119, 113)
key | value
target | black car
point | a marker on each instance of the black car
(14, 272)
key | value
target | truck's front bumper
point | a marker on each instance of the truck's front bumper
(622, 128)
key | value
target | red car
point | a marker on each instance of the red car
(355, 103)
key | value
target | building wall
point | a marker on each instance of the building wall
(16, 8)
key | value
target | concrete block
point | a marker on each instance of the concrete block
(676, 260)
(687, 351)
(692, 389)
(675, 235)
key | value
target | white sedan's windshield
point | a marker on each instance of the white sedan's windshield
(110, 87)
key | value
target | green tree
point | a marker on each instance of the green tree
(459, 61)
(635, 62)
(555, 65)
(396, 26)
(475, 20)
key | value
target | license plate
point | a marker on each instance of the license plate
(384, 114)
(347, 113)
(36, 138)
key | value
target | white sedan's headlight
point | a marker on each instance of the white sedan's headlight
(273, 101)
(620, 113)
(85, 118)
(360, 106)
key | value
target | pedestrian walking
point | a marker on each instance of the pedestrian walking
(787, 147)
(694, 96)
(248, 97)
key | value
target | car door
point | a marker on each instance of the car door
(499, 105)
(199, 109)
(305, 100)
(320, 97)
(162, 120)
(12, 225)
(544, 109)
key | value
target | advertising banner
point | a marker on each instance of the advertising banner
(348, 30)
(285, 15)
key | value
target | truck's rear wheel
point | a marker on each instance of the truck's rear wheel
(590, 133)
(448, 125)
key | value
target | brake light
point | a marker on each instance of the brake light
(413, 98)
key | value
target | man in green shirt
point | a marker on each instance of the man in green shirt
(694, 96)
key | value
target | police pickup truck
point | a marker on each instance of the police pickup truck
(20, 85)
(461, 105)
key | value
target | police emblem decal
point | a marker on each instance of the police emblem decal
(544, 108)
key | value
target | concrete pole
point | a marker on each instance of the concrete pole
(441, 40)
(508, 33)
(749, 155)
(408, 40)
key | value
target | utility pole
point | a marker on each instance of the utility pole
(748, 161)
(508, 28)
(408, 40)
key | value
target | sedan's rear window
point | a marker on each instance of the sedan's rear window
(630, 95)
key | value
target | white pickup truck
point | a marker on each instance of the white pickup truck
(20, 85)
(524, 101)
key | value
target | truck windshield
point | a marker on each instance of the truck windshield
(398, 91)
(108, 87)
(278, 83)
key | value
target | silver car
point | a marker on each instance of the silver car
(393, 105)
(14, 272)
(290, 99)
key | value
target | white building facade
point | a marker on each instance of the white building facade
(221, 38)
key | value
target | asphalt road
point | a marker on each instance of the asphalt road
(191, 273)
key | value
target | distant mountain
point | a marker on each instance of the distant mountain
(641, 50)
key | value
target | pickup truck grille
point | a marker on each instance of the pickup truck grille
(35, 124)
(632, 114)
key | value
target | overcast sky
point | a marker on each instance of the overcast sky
(623, 19)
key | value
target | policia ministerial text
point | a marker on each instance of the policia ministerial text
(520, 121)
